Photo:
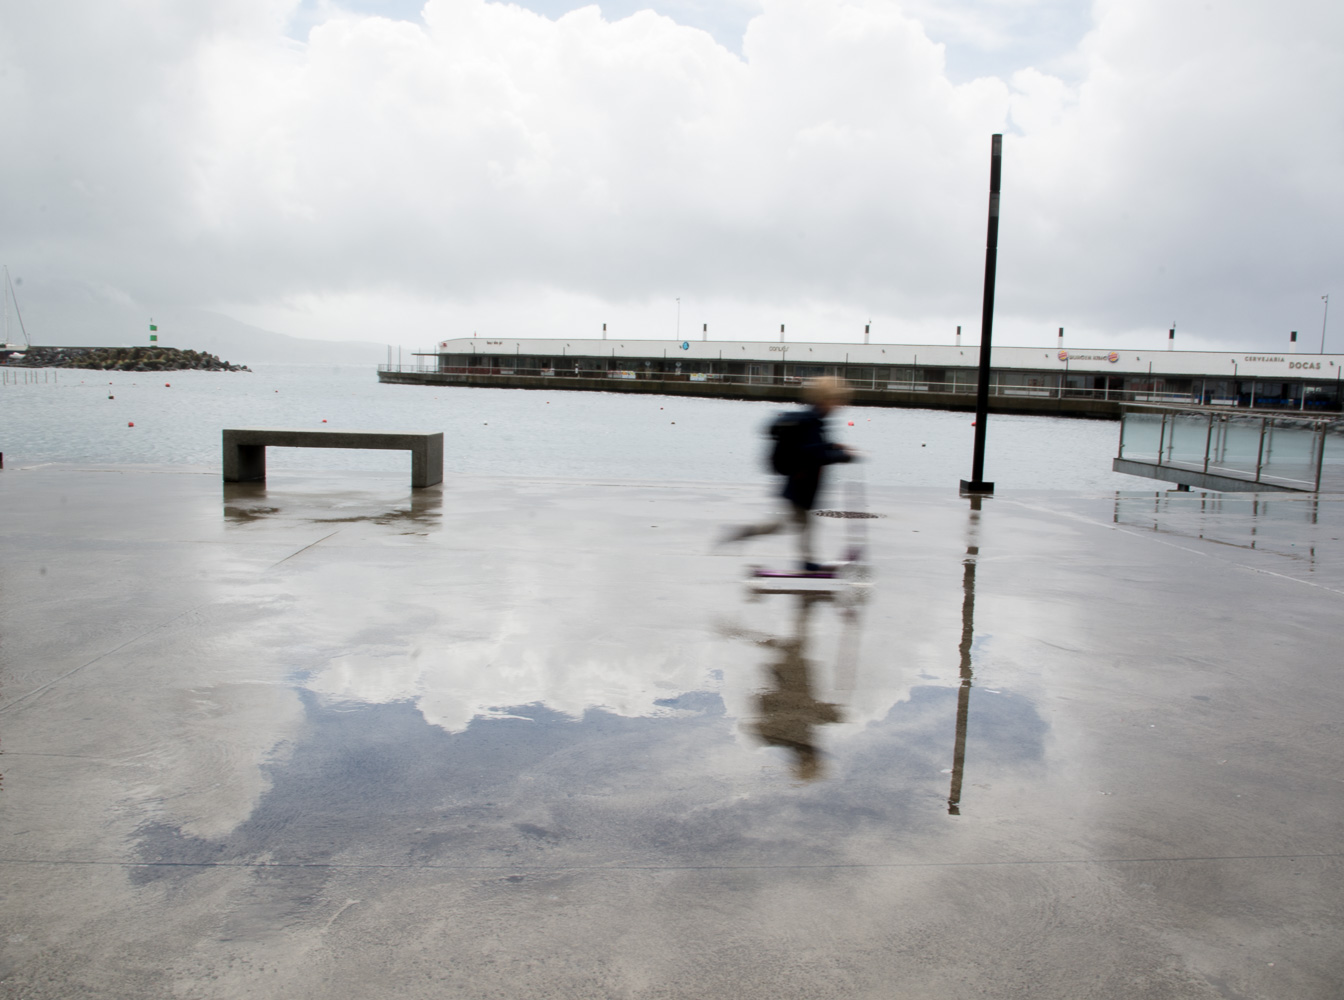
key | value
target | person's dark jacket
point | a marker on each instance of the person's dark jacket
(814, 452)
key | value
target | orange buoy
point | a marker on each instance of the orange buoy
(167, 385)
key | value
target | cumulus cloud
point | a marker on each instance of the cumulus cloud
(485, 166)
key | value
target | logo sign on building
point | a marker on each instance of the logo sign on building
(1112, 357)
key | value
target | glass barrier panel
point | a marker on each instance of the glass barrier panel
(1332, 465)
(1290, 452)
(1186, 436)
(1140, 436)
(1235, 446)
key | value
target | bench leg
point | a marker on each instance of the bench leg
(244, 463)
(427, 462)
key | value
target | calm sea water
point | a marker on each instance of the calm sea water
(492, 432)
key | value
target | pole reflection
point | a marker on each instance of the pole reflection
(964, 652)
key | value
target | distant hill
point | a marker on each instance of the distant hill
(250, 345)
(110, 324)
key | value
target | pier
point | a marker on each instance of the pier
(923, 395)
(1058, 382)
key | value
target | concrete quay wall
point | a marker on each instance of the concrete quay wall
(925, 400)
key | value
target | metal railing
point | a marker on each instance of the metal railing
(956, 386)
(1295, 451)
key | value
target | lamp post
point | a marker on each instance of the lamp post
(678, 317)
(1326, 300)
(977, 484)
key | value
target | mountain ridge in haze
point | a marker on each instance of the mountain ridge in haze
(110, 324)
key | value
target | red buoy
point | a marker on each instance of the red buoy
(130, 423)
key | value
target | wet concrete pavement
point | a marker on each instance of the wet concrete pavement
(329, 737)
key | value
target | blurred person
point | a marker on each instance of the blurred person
(800, 452)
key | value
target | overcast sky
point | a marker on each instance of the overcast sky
(404, 172)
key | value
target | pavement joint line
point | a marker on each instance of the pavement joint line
(106, 653)
(306, 547)
(837, 866)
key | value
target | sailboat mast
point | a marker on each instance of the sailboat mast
(9, 294)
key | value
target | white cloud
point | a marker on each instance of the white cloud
(487, 161)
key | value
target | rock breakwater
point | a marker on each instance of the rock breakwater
(122, 359)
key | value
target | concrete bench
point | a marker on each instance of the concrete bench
(245, 450)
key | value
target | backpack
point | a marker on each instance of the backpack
(786, 433)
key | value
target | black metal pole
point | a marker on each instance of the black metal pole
(977, 482)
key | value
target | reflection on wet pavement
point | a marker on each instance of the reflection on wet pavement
(1266, 523)
(965, 667)
(541, 745)
(245, 503)
(789, 711)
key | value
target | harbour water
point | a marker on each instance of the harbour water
(86, 417)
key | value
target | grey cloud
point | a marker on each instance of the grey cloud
(196, 157)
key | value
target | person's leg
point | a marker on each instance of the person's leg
(800, 518)
(778, 523)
